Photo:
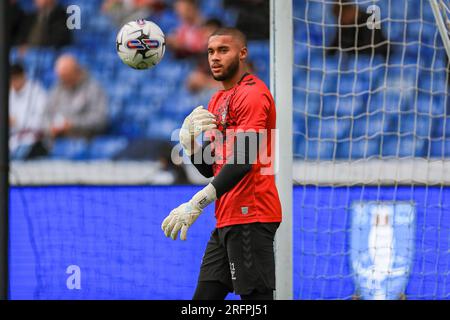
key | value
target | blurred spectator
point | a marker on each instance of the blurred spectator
(47, 26)
(27, 100)
(123, 11)
(200, 79)
(253, 17)
(77, 105)
(353, 35)
(16, 22)
(189, 38)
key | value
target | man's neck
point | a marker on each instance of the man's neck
(230, 83)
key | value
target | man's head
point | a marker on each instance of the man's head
(44, 4)
(345, 12)
(210, 26)
(17, 77)
(187, 10)
(227, 52)
(68, 71)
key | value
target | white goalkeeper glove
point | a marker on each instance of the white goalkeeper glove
(198, 121)
(182, 217)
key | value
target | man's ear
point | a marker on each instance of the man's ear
(244, 53)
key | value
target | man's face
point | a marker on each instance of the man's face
(347, 14)
(68, 72)
(17, 82)
(224, 56)
(43, 4)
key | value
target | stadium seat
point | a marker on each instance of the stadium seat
(440, 148)
(69, 149)
(372, 125)
(106, 147)
(314, 149)
(404, 146)
(440, 128)
(358, 148)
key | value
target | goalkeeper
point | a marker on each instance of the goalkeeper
(239, 122)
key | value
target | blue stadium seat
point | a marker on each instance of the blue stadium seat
(395, 30)
(309, 103)
(212, 8)
(350, 106)
(440, 148)
(416, 124)
(373, 103)
(300, 54)
(404, 146)
(431, 104)
(106, 147)
(299, 124)
(331, 82)
(300, 78)
(166, 20)
(440, 128)
(330, 105)
(314, 150)
(69, 149)
(359, 148)
(373, 125)
(163, 127)
(258, 48)
(314, 81)
(327, 128)
(347, 84)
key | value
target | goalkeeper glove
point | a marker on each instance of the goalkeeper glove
(182, 217)
(198, 121)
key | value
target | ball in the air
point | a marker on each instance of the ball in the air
(141, 44)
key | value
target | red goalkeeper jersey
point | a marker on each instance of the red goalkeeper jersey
(248, 106)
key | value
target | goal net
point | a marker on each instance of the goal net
(371, 149)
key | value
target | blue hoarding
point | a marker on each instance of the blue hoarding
(77, 242)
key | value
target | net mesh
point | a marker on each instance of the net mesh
(370, 86)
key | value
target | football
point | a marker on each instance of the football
(141, 44)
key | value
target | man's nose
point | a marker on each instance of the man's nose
(215, 57)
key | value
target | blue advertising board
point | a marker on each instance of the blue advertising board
(84, 242)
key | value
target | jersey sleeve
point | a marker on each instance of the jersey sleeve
(252, 111)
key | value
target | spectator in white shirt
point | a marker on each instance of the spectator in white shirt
(27, 100)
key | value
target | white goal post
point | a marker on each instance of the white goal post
(281, 59)
(441, 11)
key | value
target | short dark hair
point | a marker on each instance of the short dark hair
(234, 32)
(16, 70)
(191, 2)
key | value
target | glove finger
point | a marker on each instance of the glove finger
(206, 126)
(169, 227)
(175, 230)
(201, 111)
(166, 221)
(203, 117)
(209, 127)
(183, 233)
(196, 110)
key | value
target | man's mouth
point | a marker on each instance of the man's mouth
(216, 68)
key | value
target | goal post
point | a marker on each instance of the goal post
(281, 62)
(441, 11)
(4, 162)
